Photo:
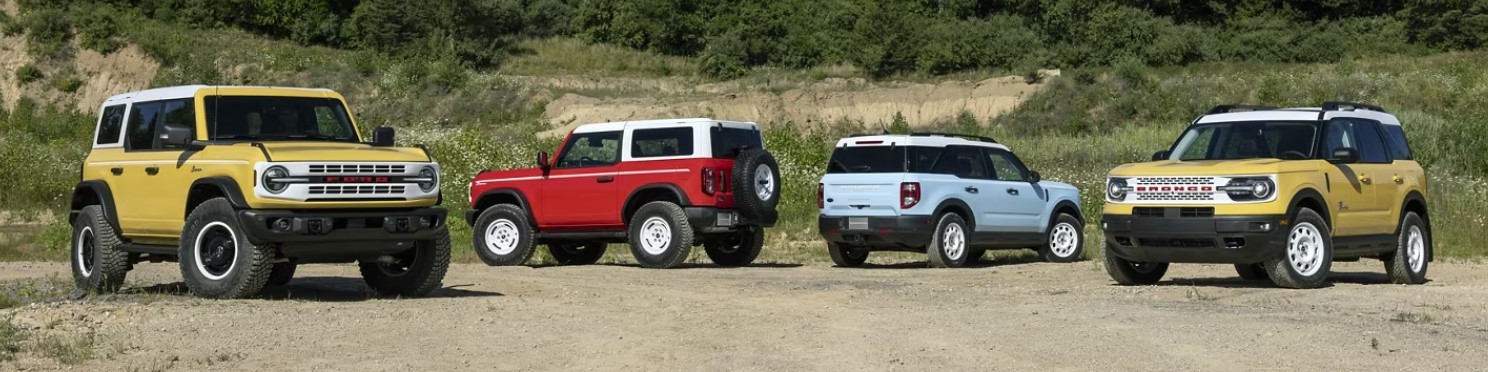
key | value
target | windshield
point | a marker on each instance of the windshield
(883, 159)
(250, 118)
(1247, 140)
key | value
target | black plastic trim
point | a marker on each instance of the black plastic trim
(105, 196)
(1225, 109)
(1335, 105)
(255, 225)
(1079, 214)
(1124, 235)
(522, 202)
(1309, 193)
(970, 216)
(228, 186)
(890, 233)
(264, 149)
(163, 250)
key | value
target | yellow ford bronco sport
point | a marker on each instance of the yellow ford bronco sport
(1279, 193)
(241, 184)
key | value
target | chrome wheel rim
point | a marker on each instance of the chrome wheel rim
(1064, 239)
(502, 237)
(1305, 249)
(1415, 249)
(83, 250)
(216, 250)
(953, 241)
(764, 181)
(656, 235)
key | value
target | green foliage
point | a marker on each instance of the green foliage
(28, 73)
(49, 31)
(899, 125)
(1448, 24)
(97, 26)
(67, 83)
(10, 26)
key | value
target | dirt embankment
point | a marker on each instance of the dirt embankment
(124, 70)
(1002, 317)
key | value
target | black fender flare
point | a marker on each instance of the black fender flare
(97, 190)
(669, 187)
(1416, 196)
(1053, 212)
(1309, 193)
(970, 213)
(227, 186)
(522, 202)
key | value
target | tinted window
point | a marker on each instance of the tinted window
(882, 159)
(727, 141)
(1247, 140)
(142, 119)
(964, 162)
(1395, 137)
(109, 125)
(649, 143)
(1361, 136)
(180, 113)
(591, 149)
(252, 118)
(1007, 167)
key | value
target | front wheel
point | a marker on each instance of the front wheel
(1407, 265)
(412, 273)
(1065, 241)
(1308, 254)
(216, 258)
(738, 250)
(1127, 272)
(503, 236)
(660, 236)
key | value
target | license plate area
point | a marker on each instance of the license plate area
(726, 219)
(857, 223)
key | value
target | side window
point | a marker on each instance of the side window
(591, 149)
(1371, 145)
(109, 125)
(1006, 167)
(141, 126)
(1340, 135)
(181, 113)
(650, 143)
(963, 162)
(1399, 148)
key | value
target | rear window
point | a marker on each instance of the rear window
(883, 159)
(650, 143)
(110, 124)
(1399, 149)
(728, 141)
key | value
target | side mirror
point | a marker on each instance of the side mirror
(1344, 155)
(542, 160)
(176, 136)
(383, 136)
(1161, 155)
(1033, 176)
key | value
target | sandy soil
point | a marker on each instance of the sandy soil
(124, 70)
(1013, 317)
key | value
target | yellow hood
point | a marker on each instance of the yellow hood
(333, 151)
(1209, 167)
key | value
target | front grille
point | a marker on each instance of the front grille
(1172, 196)
(357, 168)
(1176, 243)
(357, 190)
(1194, 212)
(1147, 212)
(1174, 181)
(1184, 212)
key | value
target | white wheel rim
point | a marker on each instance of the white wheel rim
(1305, 249)
(1415, 249)
(1064, 240)
(84, 240)
(764, 181)
(656, 235)
(196, 250)
(953, 241)
(502, 237)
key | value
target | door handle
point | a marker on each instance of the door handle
(605, 179)
(152, 170)
(971, 189)
(1365, 179)
(1012, 191)
(116, 170)
(1399, 180)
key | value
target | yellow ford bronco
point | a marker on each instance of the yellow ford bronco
(1279, 193)
(241, 184)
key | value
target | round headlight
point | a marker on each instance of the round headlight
(432, 178)
(273, 173)
(1116, 189)
(1261, 189)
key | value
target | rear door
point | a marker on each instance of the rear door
(580, 188)
(1018, 203)
(969, 180)
(1352, 190)
(864, 180)
(1375, 156)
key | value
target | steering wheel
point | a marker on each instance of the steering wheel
(585, 160)
(1293, 155)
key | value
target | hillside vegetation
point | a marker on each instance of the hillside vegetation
(442, 73)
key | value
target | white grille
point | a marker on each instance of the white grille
(357, 190)
(356, 168)
(1175, 181)
(1171, 196)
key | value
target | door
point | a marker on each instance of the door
(1352, 189)
(1384, 176)
(580, 188)
(972, 182)
(1019, 202)
(155, 182)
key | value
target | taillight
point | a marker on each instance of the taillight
(820, 192)
(709, 185)
(909, 194)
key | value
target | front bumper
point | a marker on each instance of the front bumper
(342, 234)
(1214, 239)
(895, 232)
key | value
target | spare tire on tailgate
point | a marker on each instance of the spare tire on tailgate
(756, 185)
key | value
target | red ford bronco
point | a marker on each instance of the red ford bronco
(663, 185)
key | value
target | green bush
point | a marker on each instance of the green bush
(97, 27)
(67, 84)
(28, 73)
(49, 31)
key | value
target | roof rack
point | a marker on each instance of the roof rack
(1340, 105)
(1225, 109)
(938, 134)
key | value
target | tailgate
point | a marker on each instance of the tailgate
(865, 194)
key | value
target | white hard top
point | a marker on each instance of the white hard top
(185, 91)
(1298, 114)
(908, 140)
(660, 123)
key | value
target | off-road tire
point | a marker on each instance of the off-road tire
(1397, 264)
(740, 250)
(845, 256)
(1047, 251)
(1280, 269)
(1253, 271)
(281, 274)
(246, 274)
(746, 187)
(678, 236)
(430, 260)
(577, 253)
(949, 225)
(504, 220)
(109, 265)
(1126, 272)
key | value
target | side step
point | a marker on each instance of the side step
(163, 250)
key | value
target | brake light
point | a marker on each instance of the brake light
(709, 185)
(909, 194)
(820, 192)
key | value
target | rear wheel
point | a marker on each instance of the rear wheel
(1308, 254)
(660, 236)
(97, 263)
(1065, 241)
(741, 249)
(1407, 265)
(948, 246)
(216, 258)
(577, 253)
(1126, 272)
(412, 273)
(1252, 271)
(846, 256)
(503, 236)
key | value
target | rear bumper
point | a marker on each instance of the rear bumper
(344, 234)
(900, 232)
(1217, 239)
(708, 220)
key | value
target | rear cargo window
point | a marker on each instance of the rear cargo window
(728, 141)
(883, 159)
(649, 143)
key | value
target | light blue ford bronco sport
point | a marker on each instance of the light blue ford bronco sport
(950, 196)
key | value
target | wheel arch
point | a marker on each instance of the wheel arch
(1416, 202)
(650, 193)
(958, 207)
(94, 192)
(1067, 207)
(1311, 199)
(208, 188)
(493, 197)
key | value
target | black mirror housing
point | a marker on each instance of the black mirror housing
(1035, 177)
(176, 136)
(383, 136)
(542, 160)
(1344, 155)
(1161, 155)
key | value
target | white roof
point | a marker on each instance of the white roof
(908, 140)
(1298, 114)
(660, 123)
(182, 91)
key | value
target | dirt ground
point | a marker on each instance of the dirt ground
(1003, 316)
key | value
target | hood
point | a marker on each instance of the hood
(1207, 167)
(1056, 185)
(341, 151)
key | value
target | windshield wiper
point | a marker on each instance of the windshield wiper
(239, 137)
(318, 137)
